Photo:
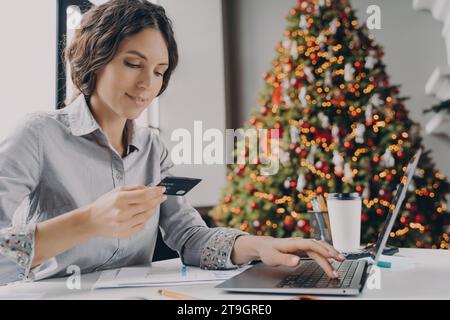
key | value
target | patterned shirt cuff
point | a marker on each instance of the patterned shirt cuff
(217, 252)
(17, 244)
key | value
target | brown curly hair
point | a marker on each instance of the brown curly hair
(101, 31)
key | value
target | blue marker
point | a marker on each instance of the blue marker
(184, 271)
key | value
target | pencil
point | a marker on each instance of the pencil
(323, 207)
(176, 295)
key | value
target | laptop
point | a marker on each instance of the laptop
(308, 277)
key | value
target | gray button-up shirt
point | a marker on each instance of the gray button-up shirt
(57, 161)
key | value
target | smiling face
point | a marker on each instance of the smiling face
(133, 78)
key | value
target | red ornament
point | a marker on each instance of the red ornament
(293, 184)
(379, 211)
(253, 205)
(276, 96)
(358, 64)
(303, 153)
(419, 218)
(252, 121)
(370, 142)
(313, 57)
(271, 197)
(288, 223)
(364, 217)
(404, 220)
(323, 135)
(250, 188)
(359, 188)
(265, 111)
(376, 159)
(306, 228)
(400, 154)
(348, 145)
(390, 177)
(387, 196)
(293, 146)
(305, 125)
(227, 199)
(325, 168)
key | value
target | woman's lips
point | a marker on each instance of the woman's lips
(138, 101)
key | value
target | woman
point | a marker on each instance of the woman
(83, 170)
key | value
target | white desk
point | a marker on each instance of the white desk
(427, 277)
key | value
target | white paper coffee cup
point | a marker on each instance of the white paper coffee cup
(344, 210)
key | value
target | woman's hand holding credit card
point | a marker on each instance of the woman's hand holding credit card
(177, 186)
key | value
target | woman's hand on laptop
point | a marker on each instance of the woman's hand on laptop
(283, 252)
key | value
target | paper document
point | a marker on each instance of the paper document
(159, 276)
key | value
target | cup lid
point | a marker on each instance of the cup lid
(344, 196)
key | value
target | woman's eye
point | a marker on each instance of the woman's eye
(132, 65)
(159, 74)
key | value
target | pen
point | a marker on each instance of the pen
(304, 298)
(176, 295)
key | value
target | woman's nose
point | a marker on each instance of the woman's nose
(144, 81)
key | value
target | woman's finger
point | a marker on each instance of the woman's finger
(138, 208)
(324, 264)
(330, 248)
(293, 245)
(142, 195)
(132, 187)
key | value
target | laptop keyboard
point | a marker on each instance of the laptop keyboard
(311, 275)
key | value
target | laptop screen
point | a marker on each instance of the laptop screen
(396, 204)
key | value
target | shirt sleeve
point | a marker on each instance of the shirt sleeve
(217, 252)
(19, 176)
(184, 230)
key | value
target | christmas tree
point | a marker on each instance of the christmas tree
(342, 128)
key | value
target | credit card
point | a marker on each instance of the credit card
(178, 186)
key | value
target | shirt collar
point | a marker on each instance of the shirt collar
(82, 122)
